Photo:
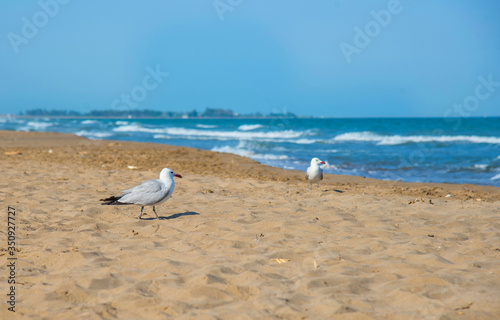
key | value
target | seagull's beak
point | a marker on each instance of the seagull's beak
(178, 175)
(322, 162)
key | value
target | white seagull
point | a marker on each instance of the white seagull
(149, 193)
(314, 173)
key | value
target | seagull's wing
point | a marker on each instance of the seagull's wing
(308, 173)
(148, 193)
(321, 175)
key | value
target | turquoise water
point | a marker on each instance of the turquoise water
(454, 150)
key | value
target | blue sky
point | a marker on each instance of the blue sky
(403, 58)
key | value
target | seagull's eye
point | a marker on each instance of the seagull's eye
(171, 172)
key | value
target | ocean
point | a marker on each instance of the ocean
(450, 150)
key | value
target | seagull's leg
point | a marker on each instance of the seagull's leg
(311, 185)
(142, 208)
(155, 213)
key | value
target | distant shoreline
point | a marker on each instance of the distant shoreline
(14, 116)
(129, 118)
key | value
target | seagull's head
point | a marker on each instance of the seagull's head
(166, 172)
(316, 161)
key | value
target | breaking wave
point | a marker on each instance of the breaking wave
(248, 127)
(93, 135)
(249, 154)
(367, 136)
(218, 135)
(35, 126)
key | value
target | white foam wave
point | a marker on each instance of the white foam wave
(357, 136)
(168, 137)
(136, 128)
(287, 134)
(162, 136)
(495, 177)
(248, 153)
(206, 126)
(304, 141)
(35, 126)
(38, 125)
(367, 136)
(480, 166)
(327, 165)
(219, 135)
(88, 122)
(11, 120)
(249, 127)
(121, 123)
(93, 135)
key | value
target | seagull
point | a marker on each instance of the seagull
(149, 193)
(314, 173)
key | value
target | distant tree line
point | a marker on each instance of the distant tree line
(53, 113)
(146, 113)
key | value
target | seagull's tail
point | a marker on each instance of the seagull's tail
(112, 201)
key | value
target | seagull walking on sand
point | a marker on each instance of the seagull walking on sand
(314, 173)
(149, 193)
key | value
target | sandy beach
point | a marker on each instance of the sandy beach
(238, 240)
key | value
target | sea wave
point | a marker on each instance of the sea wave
(248, 127)
(11, 120)
(480, 166)
(137, 128)
(367, 136)
(206, 126)
(35, 126)
(304, 141)
(88, 122)
(218, 135)
(327, 165)
(495, 177)
(249, 154)
(172, 137)
(93, 135)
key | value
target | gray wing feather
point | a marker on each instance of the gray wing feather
(148, 193)
(307, 173)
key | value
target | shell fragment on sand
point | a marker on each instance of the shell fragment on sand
(10, 153)
(279, 260)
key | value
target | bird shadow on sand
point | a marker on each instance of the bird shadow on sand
(174, 216)
(334, 190)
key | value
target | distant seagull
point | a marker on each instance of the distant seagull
(314, 173)
(150, 193)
